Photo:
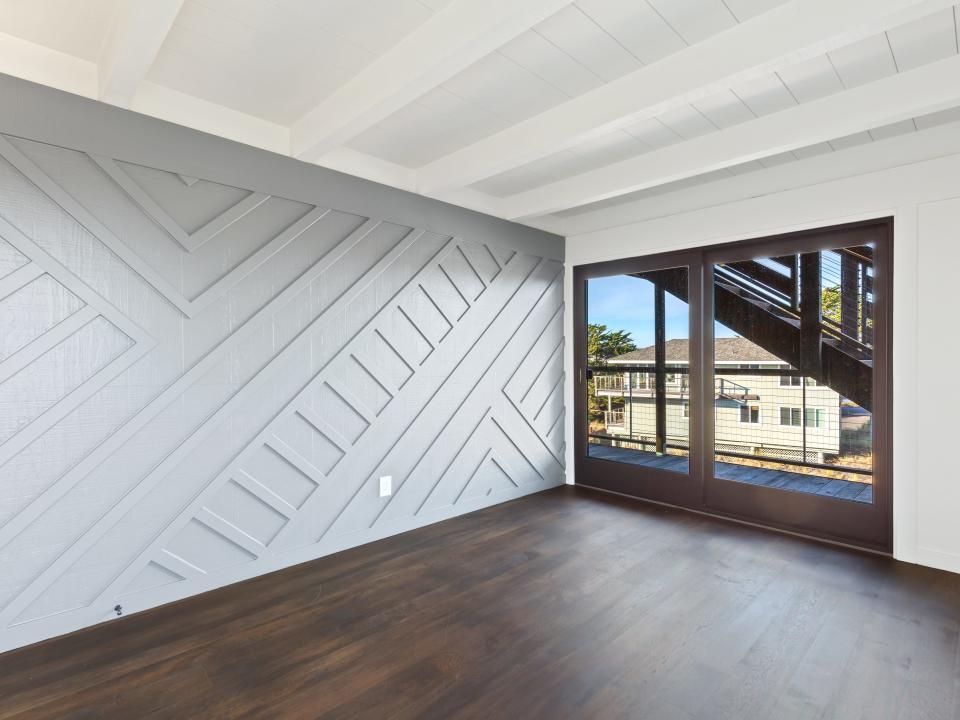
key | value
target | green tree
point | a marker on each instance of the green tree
(830, 304)
(831, 308)
(603, 344)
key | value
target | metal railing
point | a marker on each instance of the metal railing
(757, 280)
(611, 380)
(757, 417)
(729, 389)
(613, 418)
(846, 279)
(847, 307)
(608, 383)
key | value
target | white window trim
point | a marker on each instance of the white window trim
(790, 378)
(780, 409)
(759, 408)
(826, 418)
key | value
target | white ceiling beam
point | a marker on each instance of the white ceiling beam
(460, 34)
(781, 37)
(194, 112)
(906, 149)
(37, 63)
(927, 89)
(131, 47)
(472, 200)
(369, 167)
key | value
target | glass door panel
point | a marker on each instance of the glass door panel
(793, 372)
(638, 353)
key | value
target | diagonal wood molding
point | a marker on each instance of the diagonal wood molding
(247, 433)
(189, 241)
(354, 455)
(189, 306)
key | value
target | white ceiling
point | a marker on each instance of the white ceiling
(539, 110)
(276, 59)
(579, 48)
(68, 26)
(906, 47)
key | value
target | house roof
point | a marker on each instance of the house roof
(725, 350)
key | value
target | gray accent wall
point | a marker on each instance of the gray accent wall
(209, 354)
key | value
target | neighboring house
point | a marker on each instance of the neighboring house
(762, 415)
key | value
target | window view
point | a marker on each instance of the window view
(639, 358)
(793, 370)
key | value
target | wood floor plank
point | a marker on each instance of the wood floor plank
(567, 604)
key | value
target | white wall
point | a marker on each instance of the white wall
(924, 199)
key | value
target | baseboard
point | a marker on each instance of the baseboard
(939, 559)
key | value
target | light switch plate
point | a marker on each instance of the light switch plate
(386, 485)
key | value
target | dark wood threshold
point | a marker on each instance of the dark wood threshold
(725, 517)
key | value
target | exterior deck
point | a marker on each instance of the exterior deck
(785, 480)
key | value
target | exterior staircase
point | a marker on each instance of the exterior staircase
(764, 302)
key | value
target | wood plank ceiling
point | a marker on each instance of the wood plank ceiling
(540, 111)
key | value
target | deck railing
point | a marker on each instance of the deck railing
(757, 415)
(613, 418)
(608, 382)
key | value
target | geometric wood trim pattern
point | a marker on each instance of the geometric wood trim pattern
(189, 306)
(216, 435)
(189, 241)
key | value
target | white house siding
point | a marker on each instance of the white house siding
(767, 438)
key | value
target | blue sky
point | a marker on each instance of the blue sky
(622, 302)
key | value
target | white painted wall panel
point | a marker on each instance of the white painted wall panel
(939, 494)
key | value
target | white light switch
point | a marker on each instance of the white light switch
(386, 485)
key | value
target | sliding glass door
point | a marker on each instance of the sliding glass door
(639, 407)
(766, 397)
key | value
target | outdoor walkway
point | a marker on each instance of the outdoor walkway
(843, 489)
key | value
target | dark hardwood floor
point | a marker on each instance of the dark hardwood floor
(566, 604)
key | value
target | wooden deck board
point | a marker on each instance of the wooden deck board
(796, 482)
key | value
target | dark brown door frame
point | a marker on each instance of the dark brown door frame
(869, 526)
(651, 483)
